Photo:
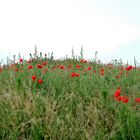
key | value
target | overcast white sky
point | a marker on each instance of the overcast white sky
(111, 27)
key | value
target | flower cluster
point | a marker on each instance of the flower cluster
(40, 81)
(129, 68)
(118, 96)
(124, 99)
(75, 74)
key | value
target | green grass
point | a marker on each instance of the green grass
(65, 107)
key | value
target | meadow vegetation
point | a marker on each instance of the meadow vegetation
(70, 99)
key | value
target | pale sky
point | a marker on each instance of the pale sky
(110, 27)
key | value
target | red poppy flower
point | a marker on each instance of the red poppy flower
(40, 81)
(39, 66)
(78, 66)
(89, 68)
(30, 67)
(102, 70)
(102, 73)
(72, 74)
(77, 75)
(62, 67)
(120, 98)
(117, 76)
(34, 77)
(137, 100)
(20, 60)
(125, 100)
(117, 93)
(129, 68)
(94, 71)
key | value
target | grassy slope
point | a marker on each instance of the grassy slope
(65, 107)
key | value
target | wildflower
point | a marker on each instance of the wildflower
(85, 61)
(40, 81)
(117, 93)
(137, 100)
(78, 66)
(94, 71)
(39, 66)
(89, 68)
(34, 77)
(62, 67)
(120, 98)
(129, 68)
(117, 76)
(20, 60)
(125, 100)
(30, 67)
(72, 74)
(102, 71)
(77, 75)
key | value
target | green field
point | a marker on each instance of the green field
(70, 99)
